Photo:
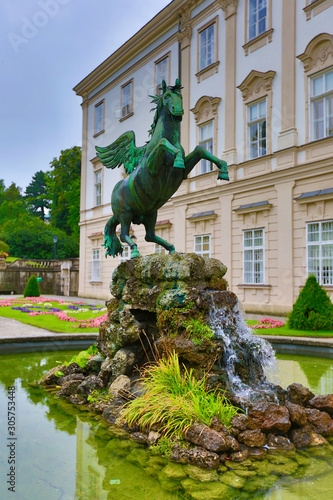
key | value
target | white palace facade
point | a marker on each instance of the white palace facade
(257, 79)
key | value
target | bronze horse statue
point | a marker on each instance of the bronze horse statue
(155, 172)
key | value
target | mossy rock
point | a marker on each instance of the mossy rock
(203, 491)
(232, 479)
(138, 456)
(315, 468)
(173, 471)
(256, 484)
(201, 475)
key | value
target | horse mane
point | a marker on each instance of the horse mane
(157, 99)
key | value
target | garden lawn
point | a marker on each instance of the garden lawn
(284, 331)
(81, 313)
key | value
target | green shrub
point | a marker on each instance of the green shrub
(32, 288)
(175, 400)
(313, 309)
(4, 247)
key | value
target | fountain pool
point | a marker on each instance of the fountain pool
(63, 453)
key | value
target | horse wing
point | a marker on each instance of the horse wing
(121, 151)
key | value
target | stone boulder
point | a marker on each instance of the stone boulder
(320, 421)
(253, 439)
(121, 383)
(270, 417)
(91, 383)
(299, 394)
(207, 438)
(323, 403)
(195, 456)
(297, 414)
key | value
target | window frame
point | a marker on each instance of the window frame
(96, 270)
(320, 244)
(257, 122)
(159, 249)
(102, 129)
(322, 96)
(96, 184)
(250, 38)
(129, 113)
(261, 39)
(126, 255)
(253, 248)
(157, 86)
(202, 253)
(201, 142)
(211, 68)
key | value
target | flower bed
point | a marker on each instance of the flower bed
(267, 323)
(62, 310)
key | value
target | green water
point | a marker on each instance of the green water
(63, 453)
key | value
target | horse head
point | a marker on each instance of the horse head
(172, 101)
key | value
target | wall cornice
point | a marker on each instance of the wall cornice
(165, 20)
(229, 7)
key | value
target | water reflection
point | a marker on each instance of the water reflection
(315, 373)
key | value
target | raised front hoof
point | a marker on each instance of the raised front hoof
(179, 163)
(172, 250)
(135, 253)
(223, 176)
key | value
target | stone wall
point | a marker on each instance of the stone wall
(59, 277)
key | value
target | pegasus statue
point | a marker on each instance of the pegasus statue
(154, 172)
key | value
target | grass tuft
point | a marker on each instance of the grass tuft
(175, 400)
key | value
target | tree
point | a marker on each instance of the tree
(30, 237)
(63, 185)
(36, 195)
(12, 203)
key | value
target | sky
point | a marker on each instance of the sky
(46, 48)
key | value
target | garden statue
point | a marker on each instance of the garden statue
(155, 172)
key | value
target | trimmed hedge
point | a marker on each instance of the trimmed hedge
(32, 288)
(4, 247)
(313, 309)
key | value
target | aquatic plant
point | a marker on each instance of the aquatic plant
(82, 358)
(175, 400)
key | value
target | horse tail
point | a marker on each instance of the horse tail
(111, 241)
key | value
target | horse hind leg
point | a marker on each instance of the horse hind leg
(111, 241)
(149, 222)
(125, 237)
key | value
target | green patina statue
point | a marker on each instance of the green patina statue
(155, 172)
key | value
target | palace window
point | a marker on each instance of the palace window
(126, 255)
(206, 140)
(202, 245)
(126, 100)
(257, 119)
(253, 256)
(257, 18)
(161, 73)
(322, 105)
(159, 249)
(207, 47)
(98, 188)
(96, 265)
(99, 118)
(320, 251)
